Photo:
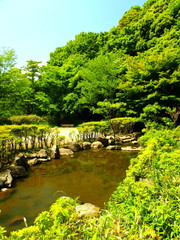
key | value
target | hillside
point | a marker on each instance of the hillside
(132, 70)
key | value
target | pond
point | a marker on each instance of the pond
(91, 175)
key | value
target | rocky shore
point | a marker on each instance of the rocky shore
(23, 161)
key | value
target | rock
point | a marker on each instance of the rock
(136, 135)
(65, 151)
(86, 145)
(21, 160)
(40, 160)
(103, 140)
(75, 146)
(134, 142)
(54, 152)
(128, 140)
(33, 162)
(111, 141)
(113, 147)
(5, 193)
(17, 220)
(5, 179)
(97, 144)
(87, 210)
(31, 155)
(17, 171)
(36, 161)
(125, 137)
(130, 148)
(42, 154)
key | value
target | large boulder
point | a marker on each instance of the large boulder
(75, 146)
(54, 152)
(33, 161)
(5, 179)
(86, 145)
(103, 140)
(31, 155)
(21, 160)
(97, 144)
(65, 151)
(17, 171)
(87, 210)
(42, 154)
(36, 161)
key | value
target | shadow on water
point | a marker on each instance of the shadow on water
(90, 175)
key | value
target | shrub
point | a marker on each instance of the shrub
(26, 119)
(14, 138)
(148, 199)
(92, 129)
(126, 125)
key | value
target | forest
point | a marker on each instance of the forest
(131, 71)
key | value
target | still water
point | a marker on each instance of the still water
(90, 175)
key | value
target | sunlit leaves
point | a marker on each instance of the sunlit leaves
(7, 59)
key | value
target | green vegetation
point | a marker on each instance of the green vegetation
(90, 129)
(130, 71)
(144, 206)
(16, 138)
(113, 126)
(26, 119)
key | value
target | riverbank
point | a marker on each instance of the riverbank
(90, 175)
(144, 206)
(66, 141)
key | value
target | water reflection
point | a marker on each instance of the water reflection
(90, 175)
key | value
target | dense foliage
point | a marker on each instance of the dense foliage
(132, 70)
(113, 126)
(144, 206)
(25, 137)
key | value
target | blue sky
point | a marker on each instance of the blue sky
(34, 28)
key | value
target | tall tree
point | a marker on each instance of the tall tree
(32, 73)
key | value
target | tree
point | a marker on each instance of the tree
(7, 59)
(99, 81)
(32, 73)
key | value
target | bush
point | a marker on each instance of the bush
(126, 125)
(148, 199)
(15, 138)
(90, 130)
(26, 119)
(102, 126)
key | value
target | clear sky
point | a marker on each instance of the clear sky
(34, 28)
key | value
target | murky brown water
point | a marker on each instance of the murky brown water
(90, 175)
